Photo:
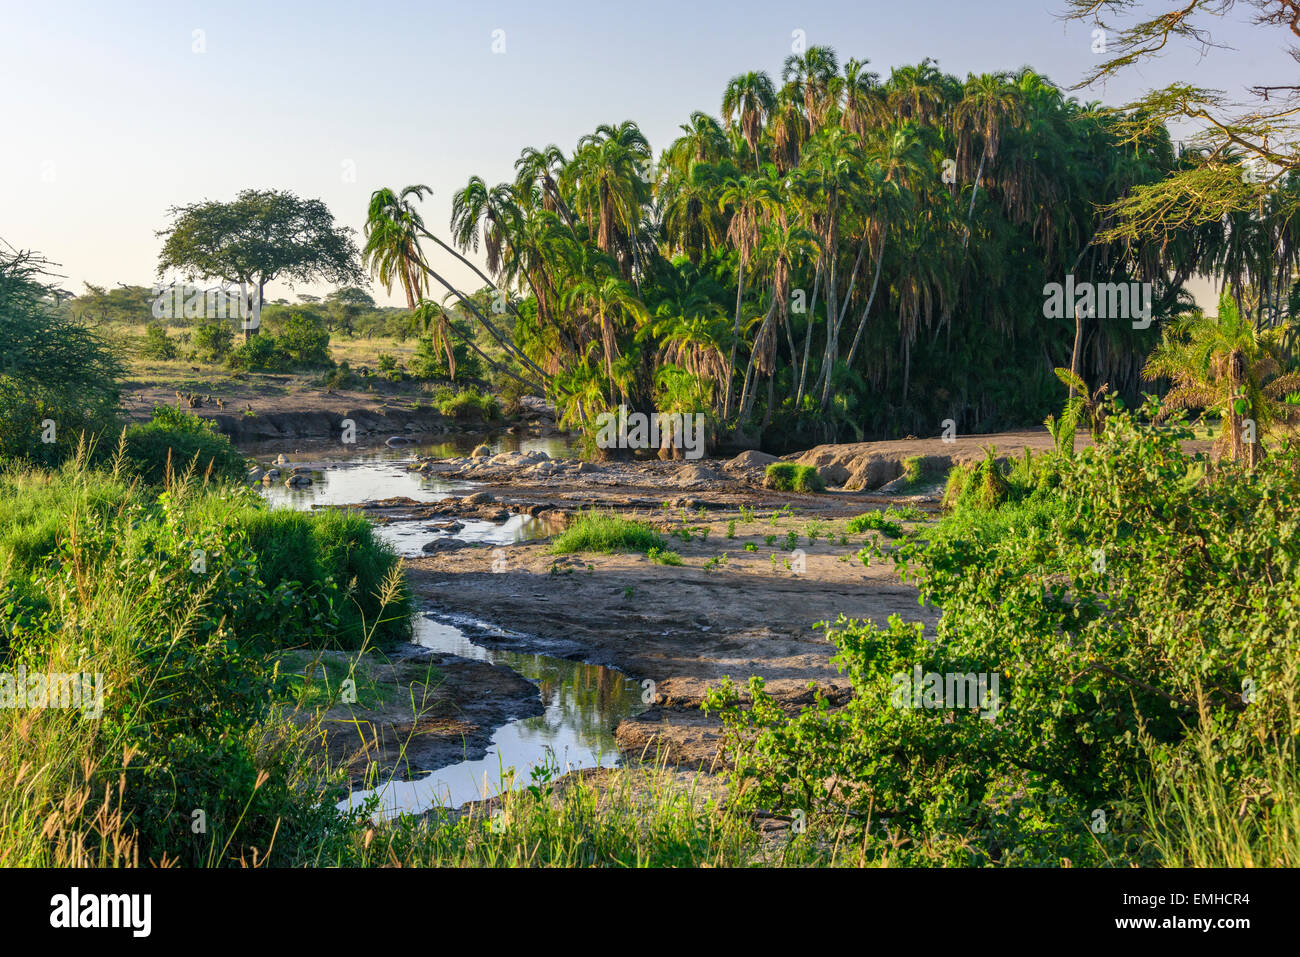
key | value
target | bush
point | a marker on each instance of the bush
(98, 575)
(334, 558)
(303, 341)
(175, 440)
(791, 477)
(597, 531)
(467, 404)
(261, 353)
(212, 341)
(1138, 633)
(157, 345)
(58, 378)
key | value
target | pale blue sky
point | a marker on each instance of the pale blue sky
(111, 116)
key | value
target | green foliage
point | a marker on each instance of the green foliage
(467, 404)
(157, 345)
(173, 441)
(303, 340)
(663, 556)
(1133, 627)
(212, 341)
(791, 477)
(58, 378)
(603, 531)
(178, 599)
(875, 521)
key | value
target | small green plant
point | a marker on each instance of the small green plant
(751, 547)
(731, 528)
(717, 561)
(791, 540)
(876, 522)
(769, 540)
(746, 514)
(814, 530)
(663, 556)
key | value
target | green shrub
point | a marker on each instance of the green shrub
(663, 556)
(303, 341)
(175, 597)
(157, 345)
(261, 353)
(176, 440)
(791, 477)
(1137, 631)
(876, 522)
(212, 341)
(467, 404)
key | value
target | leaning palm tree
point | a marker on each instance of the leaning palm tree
(392, 249)
(1222, 364)
(393, 232)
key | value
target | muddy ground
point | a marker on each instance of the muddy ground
(682, 627)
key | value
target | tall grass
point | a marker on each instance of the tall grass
(603, 531)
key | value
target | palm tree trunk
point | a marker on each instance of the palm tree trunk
(746, 399)
(1078, 342)
(509, 347)
(735, 338)
(807, 339)
(970, 213)
(481, 318)
(871, 297)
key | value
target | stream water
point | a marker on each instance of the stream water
(583, 702)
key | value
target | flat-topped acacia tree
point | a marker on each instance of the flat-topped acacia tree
(261, 236)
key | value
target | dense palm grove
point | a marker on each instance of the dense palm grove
(837, 256)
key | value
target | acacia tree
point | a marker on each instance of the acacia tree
(1265, 129)
(261, 236)
(53, 367)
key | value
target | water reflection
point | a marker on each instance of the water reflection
(583, 703)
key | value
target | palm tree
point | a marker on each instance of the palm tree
(702, 141)
(814, 77)
(988, 103)
(786, 247)
(864, 106)
(393, 232)
(747, 103)
(1224, 364)
(392, 248)
(614, 305)
(436, 323)
(750, 200)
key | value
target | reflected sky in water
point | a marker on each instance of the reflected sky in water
(583, 702)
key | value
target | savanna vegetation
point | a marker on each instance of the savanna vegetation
(833, 255)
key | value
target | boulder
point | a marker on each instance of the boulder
(479, 498)
(481, 452)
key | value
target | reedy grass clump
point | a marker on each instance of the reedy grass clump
(792, 477)
(605, 532)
